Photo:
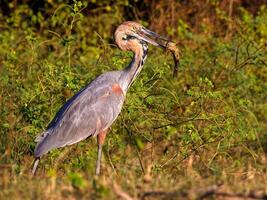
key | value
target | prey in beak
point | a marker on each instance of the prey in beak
(131, 30)
(157, 40)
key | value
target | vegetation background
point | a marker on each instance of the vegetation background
(176, 138)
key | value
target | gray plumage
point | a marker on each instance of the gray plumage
(93, 109)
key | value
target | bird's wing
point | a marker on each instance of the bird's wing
(90, 111)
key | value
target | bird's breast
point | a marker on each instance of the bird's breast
(116, 89)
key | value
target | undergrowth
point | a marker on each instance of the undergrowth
(206, 126)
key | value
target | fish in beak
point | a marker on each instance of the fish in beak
(157, 40)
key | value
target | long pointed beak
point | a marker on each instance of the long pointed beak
(152, 38)
(157, 40)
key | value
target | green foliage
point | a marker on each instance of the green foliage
(77, 180)
(208, 124)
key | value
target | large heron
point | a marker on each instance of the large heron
(93, 109)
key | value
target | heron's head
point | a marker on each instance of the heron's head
(129, 35)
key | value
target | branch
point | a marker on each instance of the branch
(202, 194)
(119, 192)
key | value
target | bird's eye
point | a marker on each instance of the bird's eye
(128, 37)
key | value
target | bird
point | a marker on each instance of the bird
(92, 110)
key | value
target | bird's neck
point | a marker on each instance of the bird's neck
(134, 68)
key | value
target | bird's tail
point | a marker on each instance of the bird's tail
(36, 161)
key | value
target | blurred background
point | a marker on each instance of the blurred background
(175, 136)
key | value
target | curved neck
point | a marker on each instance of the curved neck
(134, 68)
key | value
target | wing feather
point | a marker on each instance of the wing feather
(91, 110)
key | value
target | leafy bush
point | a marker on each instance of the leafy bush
(206, 126)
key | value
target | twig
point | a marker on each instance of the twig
(247, 60)
(209, 191)
(110, 161)
(118, 191)
(213, 191)
(181, 122)
(154, 193)
(138, 153)
(202, 194)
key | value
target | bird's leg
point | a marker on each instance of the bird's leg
(100, 141)
(36, 161)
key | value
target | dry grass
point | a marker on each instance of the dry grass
(201, 135)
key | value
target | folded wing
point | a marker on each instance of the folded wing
(90, 111)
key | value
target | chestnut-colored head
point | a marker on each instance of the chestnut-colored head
(130, 35)
(125, 36)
